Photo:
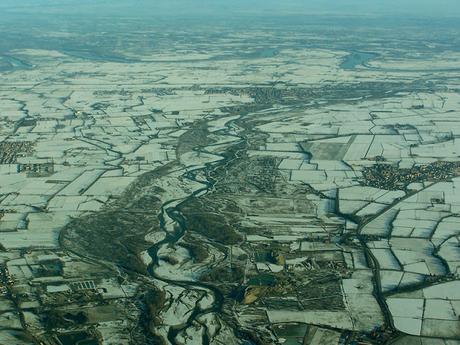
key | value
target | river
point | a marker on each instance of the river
(170, 213)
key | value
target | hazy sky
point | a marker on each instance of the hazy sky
(437, 8)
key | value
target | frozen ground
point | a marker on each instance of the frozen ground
(238, 188)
